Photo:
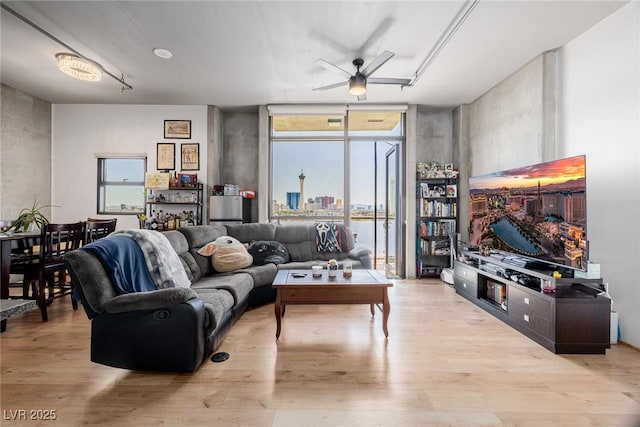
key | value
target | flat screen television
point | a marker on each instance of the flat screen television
(537, 212)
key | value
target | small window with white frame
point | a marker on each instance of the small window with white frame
(121, 185)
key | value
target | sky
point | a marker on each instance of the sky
(553, 172)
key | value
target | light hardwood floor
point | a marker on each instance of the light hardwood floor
(445, 363)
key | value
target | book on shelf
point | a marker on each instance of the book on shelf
(452, 190)
(441, 227)
(435, 247)
(436, 208)
(428, 190)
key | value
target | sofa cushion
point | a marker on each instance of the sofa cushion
(181, 246)
(268, 252)
(263, 275)
(238, 284)
(299, 239)
(217, 303)
(246, 233)
(197, 236)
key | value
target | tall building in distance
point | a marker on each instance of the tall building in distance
(301, 177)
(293, 200)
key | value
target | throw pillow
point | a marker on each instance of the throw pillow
(268, 252)
(227, 254)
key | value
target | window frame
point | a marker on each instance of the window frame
(102, 183)
(329, 137)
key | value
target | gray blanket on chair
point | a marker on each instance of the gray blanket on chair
(162, 261)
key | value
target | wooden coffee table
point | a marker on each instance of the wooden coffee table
(300, 287)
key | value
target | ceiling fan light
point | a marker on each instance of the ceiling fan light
(357, 85)
(78, 67)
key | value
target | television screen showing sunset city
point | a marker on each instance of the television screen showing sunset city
(537, 211)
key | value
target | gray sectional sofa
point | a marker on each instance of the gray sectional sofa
(176, 329)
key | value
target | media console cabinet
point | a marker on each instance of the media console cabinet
(573, 319)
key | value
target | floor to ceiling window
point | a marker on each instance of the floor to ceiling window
(307, 167)
(333, 167)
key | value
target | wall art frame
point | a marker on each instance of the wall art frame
(177, 129)
(165, 156)
(190, 157)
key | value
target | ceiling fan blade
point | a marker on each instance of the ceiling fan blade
(362, 97)
(327, 87)
(377, 34)
(377, 63)
(329, 66)
(388, 81)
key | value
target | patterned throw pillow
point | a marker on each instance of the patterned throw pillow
(268, 252)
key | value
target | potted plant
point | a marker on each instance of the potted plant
(28, 216)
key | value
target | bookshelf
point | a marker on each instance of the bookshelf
(436, 204)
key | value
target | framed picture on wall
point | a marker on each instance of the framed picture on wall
(190, 157)
(166, 156)
(177, 129)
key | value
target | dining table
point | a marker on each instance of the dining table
(7, 239)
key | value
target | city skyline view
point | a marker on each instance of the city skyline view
(537, 211)
(322, 163)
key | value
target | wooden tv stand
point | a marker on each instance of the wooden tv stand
(569, 320)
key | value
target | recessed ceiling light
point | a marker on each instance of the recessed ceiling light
(162, 53)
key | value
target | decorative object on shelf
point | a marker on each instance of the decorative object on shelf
(177, 129)
(190, 157)
(166, 156)
(452, 190)
(156, 180)
(548, 285)
(30, 219)
(332, 268)
(436, 170)
(187, 180)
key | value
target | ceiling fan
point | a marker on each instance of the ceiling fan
(358, 81)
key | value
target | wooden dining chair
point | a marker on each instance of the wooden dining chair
(22, 259)
(98, 228)
(56, 240)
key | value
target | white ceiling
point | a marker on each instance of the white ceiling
(245, 53)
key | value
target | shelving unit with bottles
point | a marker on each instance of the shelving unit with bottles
(436, 204)
(175, 207)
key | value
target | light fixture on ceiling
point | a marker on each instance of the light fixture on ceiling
(82, 68)
(357, 84)
(162, 53)
(78, 67)
(449, 32)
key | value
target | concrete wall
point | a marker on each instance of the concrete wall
(505, 124)
(214, 148)
(82, 131)
(428, 137)
(25, 152)
(240, 164)
(600, 117)
(434, 130)
(597, 100)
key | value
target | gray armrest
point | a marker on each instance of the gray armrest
(149, 300)
(362, 254)
(359, 251)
